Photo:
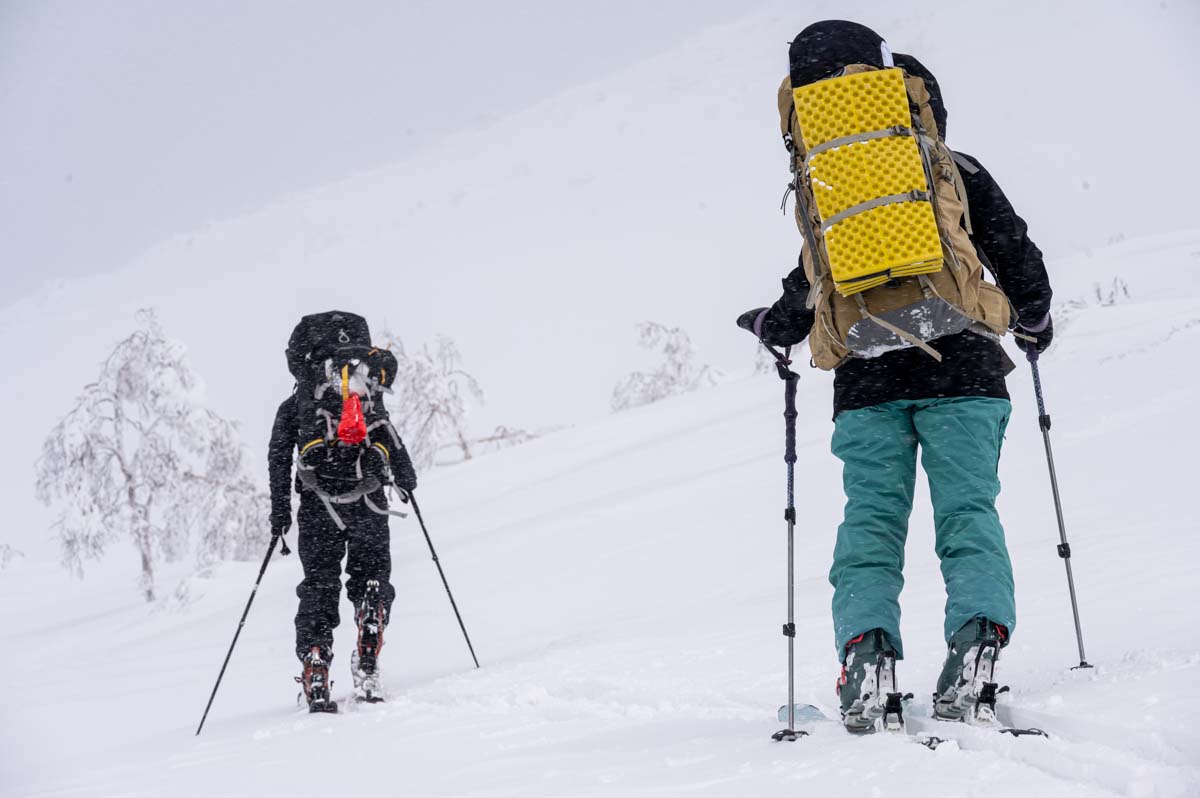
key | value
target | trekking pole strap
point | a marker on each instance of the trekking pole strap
(1037, 389)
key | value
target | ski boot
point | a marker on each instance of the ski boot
(966, 690)
(371, 618)
(314, 681)
(867, 687)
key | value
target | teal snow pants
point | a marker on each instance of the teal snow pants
(960, 442)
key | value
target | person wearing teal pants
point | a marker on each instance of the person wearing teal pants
(937, 387)
(960, 440)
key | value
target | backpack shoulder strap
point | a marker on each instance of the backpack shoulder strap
(963, 163)
(960, 187)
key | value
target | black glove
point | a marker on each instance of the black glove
(750, 321)
(1042, 333)
(281, 520)
(402, 470)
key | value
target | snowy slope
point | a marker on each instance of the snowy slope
(624, 583)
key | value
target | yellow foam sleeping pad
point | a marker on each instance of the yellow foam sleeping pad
(868, 179)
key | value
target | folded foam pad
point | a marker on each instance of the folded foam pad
(889, 240)
(873, 183)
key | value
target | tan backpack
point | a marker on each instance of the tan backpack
(895, 265)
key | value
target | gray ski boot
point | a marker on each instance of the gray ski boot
(967, 690)
(364, 660)
(867, 687)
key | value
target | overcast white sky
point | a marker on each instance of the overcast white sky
(126, 122)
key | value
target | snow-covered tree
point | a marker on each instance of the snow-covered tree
(678, 372)
(430, 404)
(7, 555)
(502, 437)
(140, 458)
(430, 407)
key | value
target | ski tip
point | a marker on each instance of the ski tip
(368, 699)
(1030, 732)
(804, 713)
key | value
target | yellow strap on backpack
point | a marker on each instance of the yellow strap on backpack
(868, 179)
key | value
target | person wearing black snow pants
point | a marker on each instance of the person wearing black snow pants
(335, 428)
(364, 542)
(365, 545)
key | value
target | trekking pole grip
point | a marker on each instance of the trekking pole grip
(790, 379)
(790, 415)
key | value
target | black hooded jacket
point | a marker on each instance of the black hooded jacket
(971, 365)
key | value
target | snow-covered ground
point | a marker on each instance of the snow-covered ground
(623, 579)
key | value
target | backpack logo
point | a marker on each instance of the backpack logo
(342, 337)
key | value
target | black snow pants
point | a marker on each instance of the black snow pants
(322, 546)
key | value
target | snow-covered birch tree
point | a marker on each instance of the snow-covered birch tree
(139, 458)
(430, 404)
(7, 555)
(677, 373)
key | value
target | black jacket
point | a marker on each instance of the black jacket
(971, 365)
(279, 464)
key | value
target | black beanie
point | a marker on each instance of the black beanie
(825, 47)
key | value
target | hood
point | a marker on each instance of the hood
(915, 68)
(825, 47)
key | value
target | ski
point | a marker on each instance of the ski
(808, 714)
(369, 699)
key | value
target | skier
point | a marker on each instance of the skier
(347, 454)
(907, 372)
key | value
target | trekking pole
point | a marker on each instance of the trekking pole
(1064, 548)
(416, 509)
(275, 537)
(790, 379)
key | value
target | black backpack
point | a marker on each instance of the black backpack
(343, 433)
